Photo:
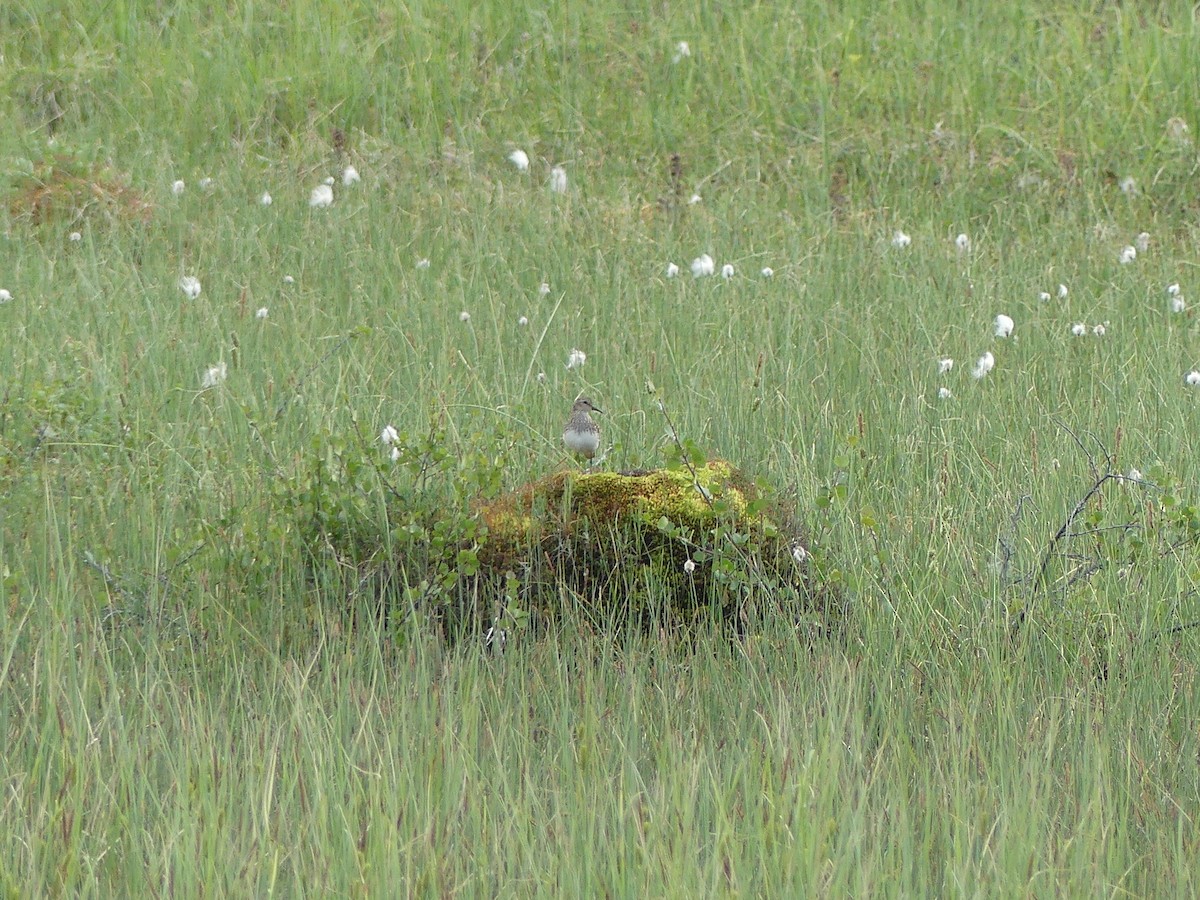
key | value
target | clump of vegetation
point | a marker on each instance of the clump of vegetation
(1094, 569)
(693, 541)
(677, 543)
(54, 418)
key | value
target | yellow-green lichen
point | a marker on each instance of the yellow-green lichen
(675, 494)
(639, 500)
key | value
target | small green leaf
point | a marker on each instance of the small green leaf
(468, 562)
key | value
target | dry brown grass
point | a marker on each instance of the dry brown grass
(65, 191)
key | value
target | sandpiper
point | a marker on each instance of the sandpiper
(582, 434)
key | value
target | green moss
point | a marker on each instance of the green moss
(663, 492)
(644, 543)
(634, 500)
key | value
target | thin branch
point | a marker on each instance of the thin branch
(1064, 531)
(1006, 542)
(1108, 467)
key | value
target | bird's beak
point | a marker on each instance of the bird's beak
(597, 409)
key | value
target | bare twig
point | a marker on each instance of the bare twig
(1065, 529)
(1005, 542)
(1108, 459)
(1088, 564)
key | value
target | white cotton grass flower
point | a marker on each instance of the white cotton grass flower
(900, 240)
(986, 363)
(558, 180)
(178, 187)
(703, 266)
(1173, 289)
(464, 316)
(1134, 474)
(944, 393)
(1192, 378)
(74, 237)
(5, 295)
(321, 197)
(423, 263)
(523, 321)
(962, 243)
(1079, 329)
(694, 199)
(1128, 254)
(1044, 296)
(330, 181)
(945, 365)
(190, 285)
(395, 454)
(520, 159)
(350, 176)
(1003, 326)
(689, 566)
(288, 279)
(265, 199)
(543, 289)
(575, 359)
(541, 377)
(1128, 186)
(1177, 304)
(1100, 330)
(1142, 242)
(682, 52)
(213, 376)
(262, 312)
(672, 270)
(1062, 292)
(389, 435)
(727, 271)
(767, 272)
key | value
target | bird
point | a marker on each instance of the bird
(582, 434)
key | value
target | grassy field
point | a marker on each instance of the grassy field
(189, 704)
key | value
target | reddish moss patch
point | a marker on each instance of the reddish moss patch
(63, 191)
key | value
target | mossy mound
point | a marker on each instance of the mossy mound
(672, 546)
(560, 504)
(666, 545)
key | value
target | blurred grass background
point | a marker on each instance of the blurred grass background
(185, 711)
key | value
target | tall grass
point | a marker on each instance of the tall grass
(185, 708)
